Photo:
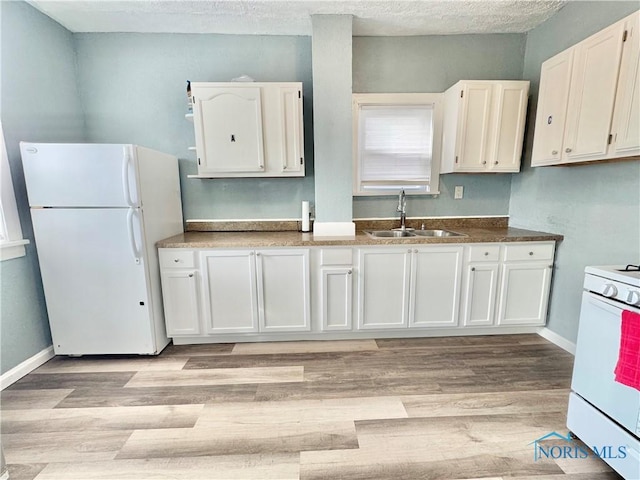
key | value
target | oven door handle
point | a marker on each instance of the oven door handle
(609, 305)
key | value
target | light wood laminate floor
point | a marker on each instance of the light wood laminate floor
(401, 409)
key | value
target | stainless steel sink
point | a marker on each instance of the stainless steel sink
(389, 233)
(411, 233)
(437, 233)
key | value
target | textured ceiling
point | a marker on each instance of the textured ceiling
(275, 17)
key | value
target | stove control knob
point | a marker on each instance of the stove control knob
(610, 290)
(633, 297)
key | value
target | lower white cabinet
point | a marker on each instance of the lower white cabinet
(480, 294)
(225, 295)
(283, 290)
(230, 294)
(383, 287)
(180, 296)
(524, 286)
(415, 287)
(337, 298)
(435, 286)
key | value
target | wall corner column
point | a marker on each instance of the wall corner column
(332, 124)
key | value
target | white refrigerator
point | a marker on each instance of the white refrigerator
(97, 212)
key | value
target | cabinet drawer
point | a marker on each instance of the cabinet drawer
(177, 258)
(336, 256)
(484, 253)
(534, 251)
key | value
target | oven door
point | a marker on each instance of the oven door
(596, 357)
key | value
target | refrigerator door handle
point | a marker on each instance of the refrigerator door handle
(126, 161)
(132, 236)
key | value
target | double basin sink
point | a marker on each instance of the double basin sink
(399, 233)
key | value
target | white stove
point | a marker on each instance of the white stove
(602, 412)
(629, 274)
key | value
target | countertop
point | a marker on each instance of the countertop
(296, 239)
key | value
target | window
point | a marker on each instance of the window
(397, 141)
(11, 241)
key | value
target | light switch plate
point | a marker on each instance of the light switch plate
(458, 192)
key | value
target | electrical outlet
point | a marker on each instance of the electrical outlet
(458, 192)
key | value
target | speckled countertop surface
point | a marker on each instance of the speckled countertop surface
(297, 239)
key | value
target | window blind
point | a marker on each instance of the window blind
(395, 144)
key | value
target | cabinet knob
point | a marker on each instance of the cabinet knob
(349, 272)
(496, 162)
(568, 150)
(554, 152)
(176, 260)
(550, 266)
(484, 162)
(531, 253)
(262, 167)
(473, 269)
(191, 275)
(415, 251)
(284, 167)
(409, 250)
(486, 254)
(258, 254)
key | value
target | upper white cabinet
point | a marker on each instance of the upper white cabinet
(626, 118)
(484, 126)
(555, 79)
(588, 100)
(248, 129)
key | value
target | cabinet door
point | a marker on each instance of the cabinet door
(593, 90)
(553, 96)
(337, 298)
(435, 287)
(292, 129)
(230, 302)
(480, 294)
(228, 126)
(383, 287)
(509, 116)
(524, 293)
(626, 121)
(474, 127)
(180, 299)
(283, 290)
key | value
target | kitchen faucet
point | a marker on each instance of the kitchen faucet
(402, 208)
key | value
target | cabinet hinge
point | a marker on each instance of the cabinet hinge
(456, 159)
(198, 161)
(610, 139)
(299, 94)
(461, 93)
(300, 160)
(624, 36)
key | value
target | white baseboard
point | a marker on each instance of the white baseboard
(5, 475)
(29, 365)
(558, 340)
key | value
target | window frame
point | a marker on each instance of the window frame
(12, 245)
(388, 100)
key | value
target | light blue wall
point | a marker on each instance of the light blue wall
(596, 207)
(332, 37)
(433, 64)
(39, 103)
(133, 90)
